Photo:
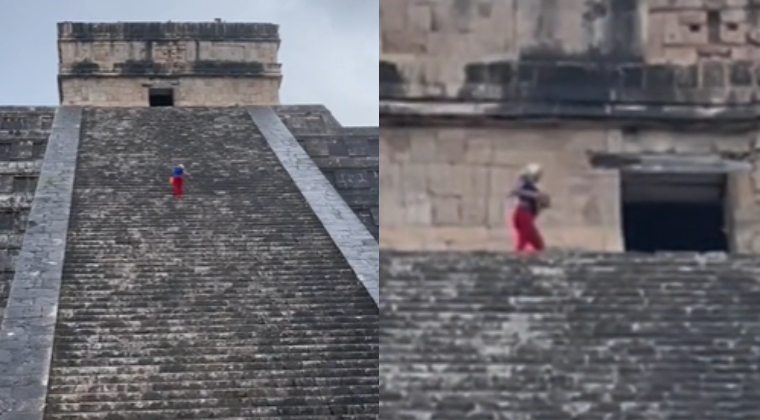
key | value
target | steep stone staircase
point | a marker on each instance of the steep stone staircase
(231, 303)
(582, 337)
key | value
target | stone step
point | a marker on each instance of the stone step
(200, 399)
(152, 284)
(256, 306)
(223, 310)
(299, 300)
(186, 306)
(341, 337)
(258, 356)
(161, 229)
(108, 316)
(360, 382)
(179, 267)
(300, 377)
(249, 259)
(180, 243)
(297, 323)
(130, 355)
(190, 241)
(324, 411)
(260, 300)
(265, 396)
(294, 365)
(190, 336)
(158, 415)
(206, 286)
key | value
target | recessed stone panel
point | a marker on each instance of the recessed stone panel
(38, 149)
(7, 151)
(24, 184)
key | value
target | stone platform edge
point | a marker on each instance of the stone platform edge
(28, 328)
(358, 246)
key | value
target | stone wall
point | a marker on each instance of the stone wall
(347, 157)
(188, 91)
(113, 64)
(494, 84)
(445, 188)
(574, 57)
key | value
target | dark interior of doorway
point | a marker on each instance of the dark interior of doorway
(161, 97)
(651, 227)
(670, 214)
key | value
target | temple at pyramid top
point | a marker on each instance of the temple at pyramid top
(135, 64)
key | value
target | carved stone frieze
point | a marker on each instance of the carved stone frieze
(686, 31)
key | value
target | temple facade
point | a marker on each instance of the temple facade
(182, 64)
(643, 114)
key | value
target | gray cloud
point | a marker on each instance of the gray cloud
(329, 47)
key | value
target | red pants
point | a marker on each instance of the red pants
(177, 186)
(525, 231)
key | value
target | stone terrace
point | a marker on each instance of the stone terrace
(583, 337)
(23, 136)
(347, 156)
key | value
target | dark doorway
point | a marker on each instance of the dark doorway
(161, 97)
(674, 212)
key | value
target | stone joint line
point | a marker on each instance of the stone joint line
(358, 246)
(27, 330)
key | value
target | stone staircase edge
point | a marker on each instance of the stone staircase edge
(351, 237)
(28, 326)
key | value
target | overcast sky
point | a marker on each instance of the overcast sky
(329, 48)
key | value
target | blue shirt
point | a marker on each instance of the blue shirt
(525, 185)
(177, 171)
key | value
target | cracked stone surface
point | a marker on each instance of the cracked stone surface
(231, 303)
(28, 325)
(584, 336)
(348, 156)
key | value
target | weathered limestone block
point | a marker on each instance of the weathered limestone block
(447, 211)
(423, 146)
(480, 149)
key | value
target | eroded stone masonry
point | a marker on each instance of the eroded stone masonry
(472, 90)
(255, 296)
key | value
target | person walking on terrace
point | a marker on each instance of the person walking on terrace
(529, 202)
(177, 180)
